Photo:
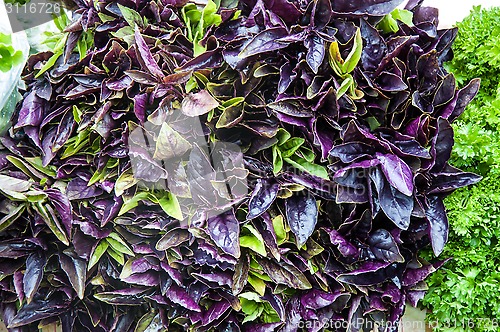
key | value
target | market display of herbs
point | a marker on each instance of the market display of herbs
(342, 111)
(468, 285)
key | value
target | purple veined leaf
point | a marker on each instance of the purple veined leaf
(141, 77)
(346, 248)
(48, 142)
(35, 265)
(316, 51)
(214, 280)
(172, 239)
(427, 71)
(438, 224)
(240, 276)
(370, 7)
(139, 265)
(419, 129)
(199, 103)
(286, 10)
(39, 309)
(140, 104)
(368, 274)
(317, 299)
(76, 270)
(323, 188)
(412, 277)
(78, 189)
(287, 76)
(323, 137)
(111, 211)
(265, 41)
(32, 112)
(224, 230)
(266, 229)
(346, 194)
(397, 172)
(405, 146)
(276, 303)
(321, 14)
(391, 293)
(208, 59)
(146, 56)
(445, 182)
(365, 164)
(445, 91)
(374, 48)
(216, 311)
(302, 216)
(462, 98)
(290, 107)
(285, 274)
(119, 84)
(395, 46)
(442, 144)
(293, 316)
(143, 165)
(63, 207)
(172, 273)
(384, 247)
(150, 279)
(352, 151)
(261, 198)
(128, 296)
(413, 297)
(64, 131)
(390, 82)
(396, 206)
(423, 14)
(353, 132)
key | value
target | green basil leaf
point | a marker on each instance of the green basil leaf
(96, 255)
(252, 239)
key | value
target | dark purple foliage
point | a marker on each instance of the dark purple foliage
(346, 136)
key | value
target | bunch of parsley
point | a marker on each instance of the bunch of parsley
(466, 293)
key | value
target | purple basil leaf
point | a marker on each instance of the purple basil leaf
(35, 265)
(32, 111)
(285, 274)
(316, 51)
(344, 246)
(224, 229)
(384, 247)
(442, 144)
(396, 206)
(262, 197)
(438, 224)
(302, 216)
(179, 296)
(462, 98)
(369, 7)
(370, 273)
(38, 309)
(146, 56)
(397, 172)
(352, 151)
(412, 277)
(76, 270)
(266, 41)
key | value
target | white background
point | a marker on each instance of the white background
(452, 11)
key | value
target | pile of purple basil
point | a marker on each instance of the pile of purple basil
(341, 111)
